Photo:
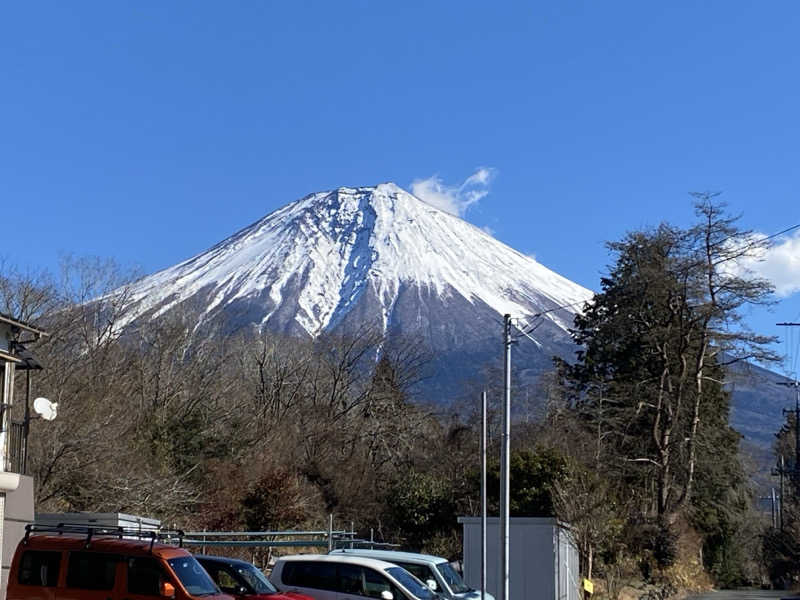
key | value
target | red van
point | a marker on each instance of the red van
(70, 562)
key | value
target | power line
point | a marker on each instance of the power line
(787, 230)
(737, 252)
(544, 312)
(742, 248)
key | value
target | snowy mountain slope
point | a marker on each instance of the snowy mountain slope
(375, 254)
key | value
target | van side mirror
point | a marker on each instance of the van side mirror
(387, 595)
(431, 583)
(167, 590)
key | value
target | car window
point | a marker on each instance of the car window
(37, 567)
(144, 576)
(452, 578)
(411, 583)
(253, 579)
(421, 572)
(350, 577)
(91, 570)
(375, 584)
(225, 580)
(321, 576)
(290, 573)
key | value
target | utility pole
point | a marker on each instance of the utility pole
(795, 471)
(780, 468)
(505, 461)
(774, 510)
(505, 447)
(780, 471)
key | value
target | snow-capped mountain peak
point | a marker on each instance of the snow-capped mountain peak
(313, 262)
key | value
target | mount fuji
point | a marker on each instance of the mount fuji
(379, 257)
(375, 256)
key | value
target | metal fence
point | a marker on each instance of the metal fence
(328, 539)
(264, 539)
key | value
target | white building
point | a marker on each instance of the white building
(16, 489)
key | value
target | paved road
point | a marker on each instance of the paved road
(743, 595)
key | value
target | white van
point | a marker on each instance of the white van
(337, 577)
(435, 571)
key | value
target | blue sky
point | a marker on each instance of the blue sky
(148, 131)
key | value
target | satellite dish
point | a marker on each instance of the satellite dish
(45, 409)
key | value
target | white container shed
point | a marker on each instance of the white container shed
(543, 559)
(99, 520)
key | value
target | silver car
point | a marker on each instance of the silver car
(435, 571)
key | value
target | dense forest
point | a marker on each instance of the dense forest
(631, 443)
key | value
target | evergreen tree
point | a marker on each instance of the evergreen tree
(648, 382)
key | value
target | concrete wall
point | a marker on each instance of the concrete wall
(18, 513)
(543, 561)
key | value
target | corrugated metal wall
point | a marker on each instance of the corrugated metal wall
(567, 566)
(543, 561)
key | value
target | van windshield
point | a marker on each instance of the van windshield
(411, 583)
(193, 576)
(452, 578)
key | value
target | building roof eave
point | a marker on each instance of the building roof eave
(22, 325)
(5, 356)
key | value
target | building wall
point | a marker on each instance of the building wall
(18, 513)
(543, 561)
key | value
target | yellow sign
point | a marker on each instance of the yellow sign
(588, 586)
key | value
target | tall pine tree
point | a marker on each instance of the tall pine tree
(648, 382)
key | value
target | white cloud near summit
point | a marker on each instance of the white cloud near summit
(455, 199)
(778, 263)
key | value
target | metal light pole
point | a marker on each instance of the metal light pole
(783, 470)
(330, 532)
(505, 462)
(483, 495)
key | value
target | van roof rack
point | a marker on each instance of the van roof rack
(93, 531)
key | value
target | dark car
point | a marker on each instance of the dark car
(243, 580)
